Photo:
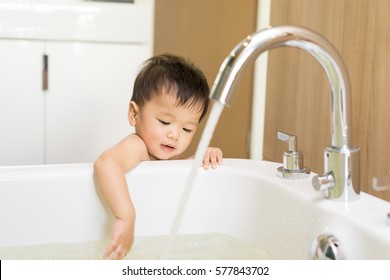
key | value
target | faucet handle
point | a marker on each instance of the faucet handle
(292, 159)
(290, 139)
(323, 182)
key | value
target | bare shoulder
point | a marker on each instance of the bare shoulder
(127, 153)
(134, 146)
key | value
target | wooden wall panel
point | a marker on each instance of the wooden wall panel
(298, 92)
(205, 32)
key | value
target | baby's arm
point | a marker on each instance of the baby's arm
(110, 169)
(213, 158)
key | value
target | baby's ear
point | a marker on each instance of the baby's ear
(133, 113)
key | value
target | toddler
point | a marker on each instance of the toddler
(170, 98)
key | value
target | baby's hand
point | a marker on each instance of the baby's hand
(122, 239)
(213, 158)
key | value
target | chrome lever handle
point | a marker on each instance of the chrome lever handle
(290, 139)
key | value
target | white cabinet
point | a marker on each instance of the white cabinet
(90, 86)
(90, 80)
(21, 103)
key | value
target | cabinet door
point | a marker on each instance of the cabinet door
(21, 103)
(90, 86)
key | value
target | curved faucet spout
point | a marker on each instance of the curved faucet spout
(323, 51)
(249, 49)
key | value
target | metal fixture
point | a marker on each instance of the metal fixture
(326, 247)
(292, 159)
(341, 159)
(323, 182)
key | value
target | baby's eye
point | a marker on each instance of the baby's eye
(163, 122)
(187, 130)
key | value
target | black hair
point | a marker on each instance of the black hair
(179, 76)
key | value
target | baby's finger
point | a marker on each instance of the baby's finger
(206, 160)
(111, 248)
(120, 252)
(219, 157)
(213, 159)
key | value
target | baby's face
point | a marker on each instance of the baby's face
(166, 129)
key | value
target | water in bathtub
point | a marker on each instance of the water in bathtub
(207, 246)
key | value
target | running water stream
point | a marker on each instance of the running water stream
(204, 142)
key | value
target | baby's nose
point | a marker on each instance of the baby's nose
(174, 133)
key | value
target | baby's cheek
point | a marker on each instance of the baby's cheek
(187, 143)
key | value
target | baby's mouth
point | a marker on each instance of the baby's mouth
(168, 148)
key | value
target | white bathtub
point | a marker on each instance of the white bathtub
(242, 198)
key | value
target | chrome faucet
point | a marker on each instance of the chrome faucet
(340, 180)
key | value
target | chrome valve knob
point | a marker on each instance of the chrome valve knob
(293, 167)
(323, 182)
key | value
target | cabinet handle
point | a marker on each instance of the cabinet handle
(45, 72)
